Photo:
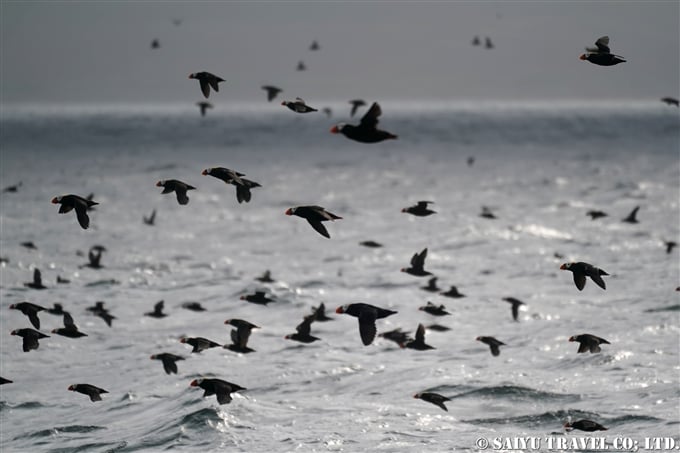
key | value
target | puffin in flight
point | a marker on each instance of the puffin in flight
(601, 55)
(79, 204)
(367, 314)
(314, 215)
(207, 81)
(366, 131)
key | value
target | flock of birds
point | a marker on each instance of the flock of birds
(366, 131)
(600, 55)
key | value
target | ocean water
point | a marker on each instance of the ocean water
(539, 167)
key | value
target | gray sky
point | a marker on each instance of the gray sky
(99, 51)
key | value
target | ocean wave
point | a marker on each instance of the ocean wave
(553, 419)
(675, 307)
(65, 429)
(515, 393)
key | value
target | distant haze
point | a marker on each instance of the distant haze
(96, 52)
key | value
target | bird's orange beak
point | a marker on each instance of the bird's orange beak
(563, 267)
(194, 383)
(289, 211)
(339, 310)
(335, 130)
(582, 57)
(204, 172)
(54, 200)
(158, 184)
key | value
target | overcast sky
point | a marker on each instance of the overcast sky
(99, 51)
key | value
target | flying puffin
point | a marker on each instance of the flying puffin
(366, 131)
(207, 80)
(600, 54)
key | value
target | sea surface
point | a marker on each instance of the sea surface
(539, 167)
